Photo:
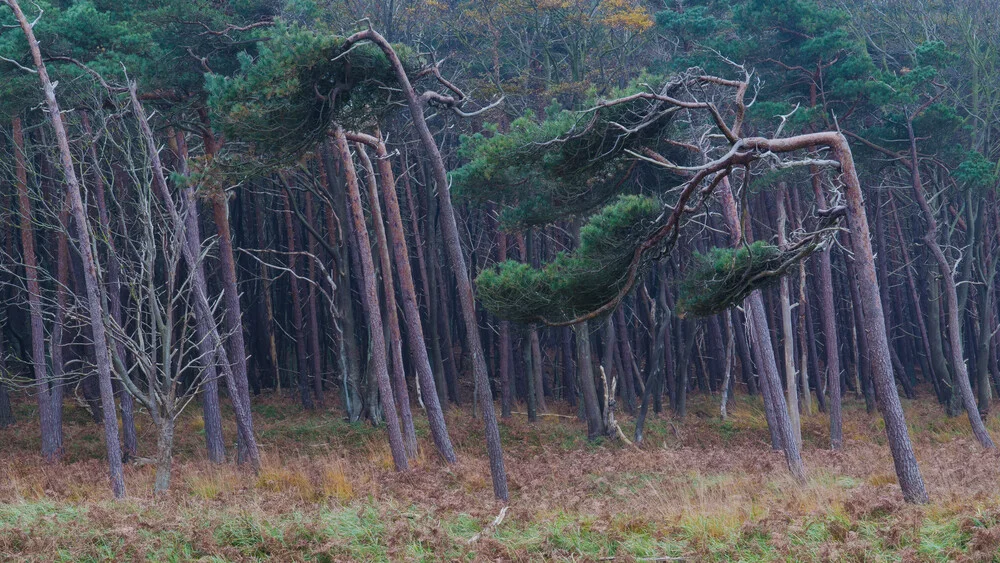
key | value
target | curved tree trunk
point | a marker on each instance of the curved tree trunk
(953, 324)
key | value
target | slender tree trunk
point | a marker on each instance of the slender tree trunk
(907, 471)
(315, 353)
(370, 296)
(787, 335)
(211, 410)
(408, 294)
(535, 372)
(761, 338)
(187, 229)
(51, 433)
(627, 360)
(505, 351)
(350, 355)
(95, 311)
(951, 297)
(265, 277)
(427, 293)
(130, 445)
(449, 226)
(861, 335)
(233, 315)
(301, 355)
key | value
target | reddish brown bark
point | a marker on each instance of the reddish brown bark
(370, 295)
(408, 295)
(395, 342)
(449, 227)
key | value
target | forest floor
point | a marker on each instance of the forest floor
(699, 490)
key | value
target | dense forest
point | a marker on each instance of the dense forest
(322, 280)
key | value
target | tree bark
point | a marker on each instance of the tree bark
(230, 289)
(449, 227)
(187, 229)
(761, 338)
(95, 311)
(51, 433)
(370, 296)
(953, 324)
(304, 378)
(787, 335)
(130, 445)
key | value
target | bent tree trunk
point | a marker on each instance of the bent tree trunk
(449, 227)
(79, 214)
(951, 298)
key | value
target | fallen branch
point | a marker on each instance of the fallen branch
(545, 414)
(492, 526)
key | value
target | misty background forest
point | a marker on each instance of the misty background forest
(636, 280)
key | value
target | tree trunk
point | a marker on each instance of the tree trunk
(164, 452)
(265, 277)
(187, 229)
(350, 357)
(787, 334)
(760, 336)
(505, 351)
(370, 296)
(315, 352)
(449, 226)
(233, 316)
(595, 424)
(427, 293)
(304, 378)
(408, 294)
(95, 311)
(951, 297)
(51, 433)
(130, 445)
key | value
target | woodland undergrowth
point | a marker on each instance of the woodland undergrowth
(699, 490)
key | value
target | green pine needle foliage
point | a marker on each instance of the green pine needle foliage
(571, 163)
(722, 277)
(280, 102)
(574, 283)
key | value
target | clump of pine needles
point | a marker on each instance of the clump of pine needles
(722, 277)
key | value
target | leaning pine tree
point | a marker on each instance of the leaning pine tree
(687, 139)
(304, 86)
